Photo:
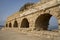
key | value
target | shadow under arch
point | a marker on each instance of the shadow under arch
(15, 24)
(10, 25)
(6, 25)
(25, 23)
(42, 22)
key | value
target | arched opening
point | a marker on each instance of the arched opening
(15, 24)
(53, 24)
(10, 25)
(42, 22)
(25, 23)
(6, 25)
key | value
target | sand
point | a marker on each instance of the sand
(17, 35)
(12, 35)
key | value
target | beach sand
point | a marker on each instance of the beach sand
(12, 35)
(15, 35)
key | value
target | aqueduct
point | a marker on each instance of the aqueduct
(36, 16)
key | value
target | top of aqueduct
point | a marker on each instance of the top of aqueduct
(42, 5)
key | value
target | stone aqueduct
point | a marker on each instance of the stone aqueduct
(36, 17)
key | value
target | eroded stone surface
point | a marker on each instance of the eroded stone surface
(37, 18)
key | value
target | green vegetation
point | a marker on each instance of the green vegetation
(25, 6)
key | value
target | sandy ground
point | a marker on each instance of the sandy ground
(15, 35)
(12, 35)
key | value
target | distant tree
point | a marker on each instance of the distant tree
(25, 6)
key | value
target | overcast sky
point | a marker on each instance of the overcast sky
(8, 7)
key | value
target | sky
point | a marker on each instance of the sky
(53, 23)
(8, 7)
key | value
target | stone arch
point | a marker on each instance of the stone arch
(25, 23)
(15, 24)
(10, 25)
(6, 25)
(42, 21)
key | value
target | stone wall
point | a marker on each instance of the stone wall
(40, 12)
(37, 12)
